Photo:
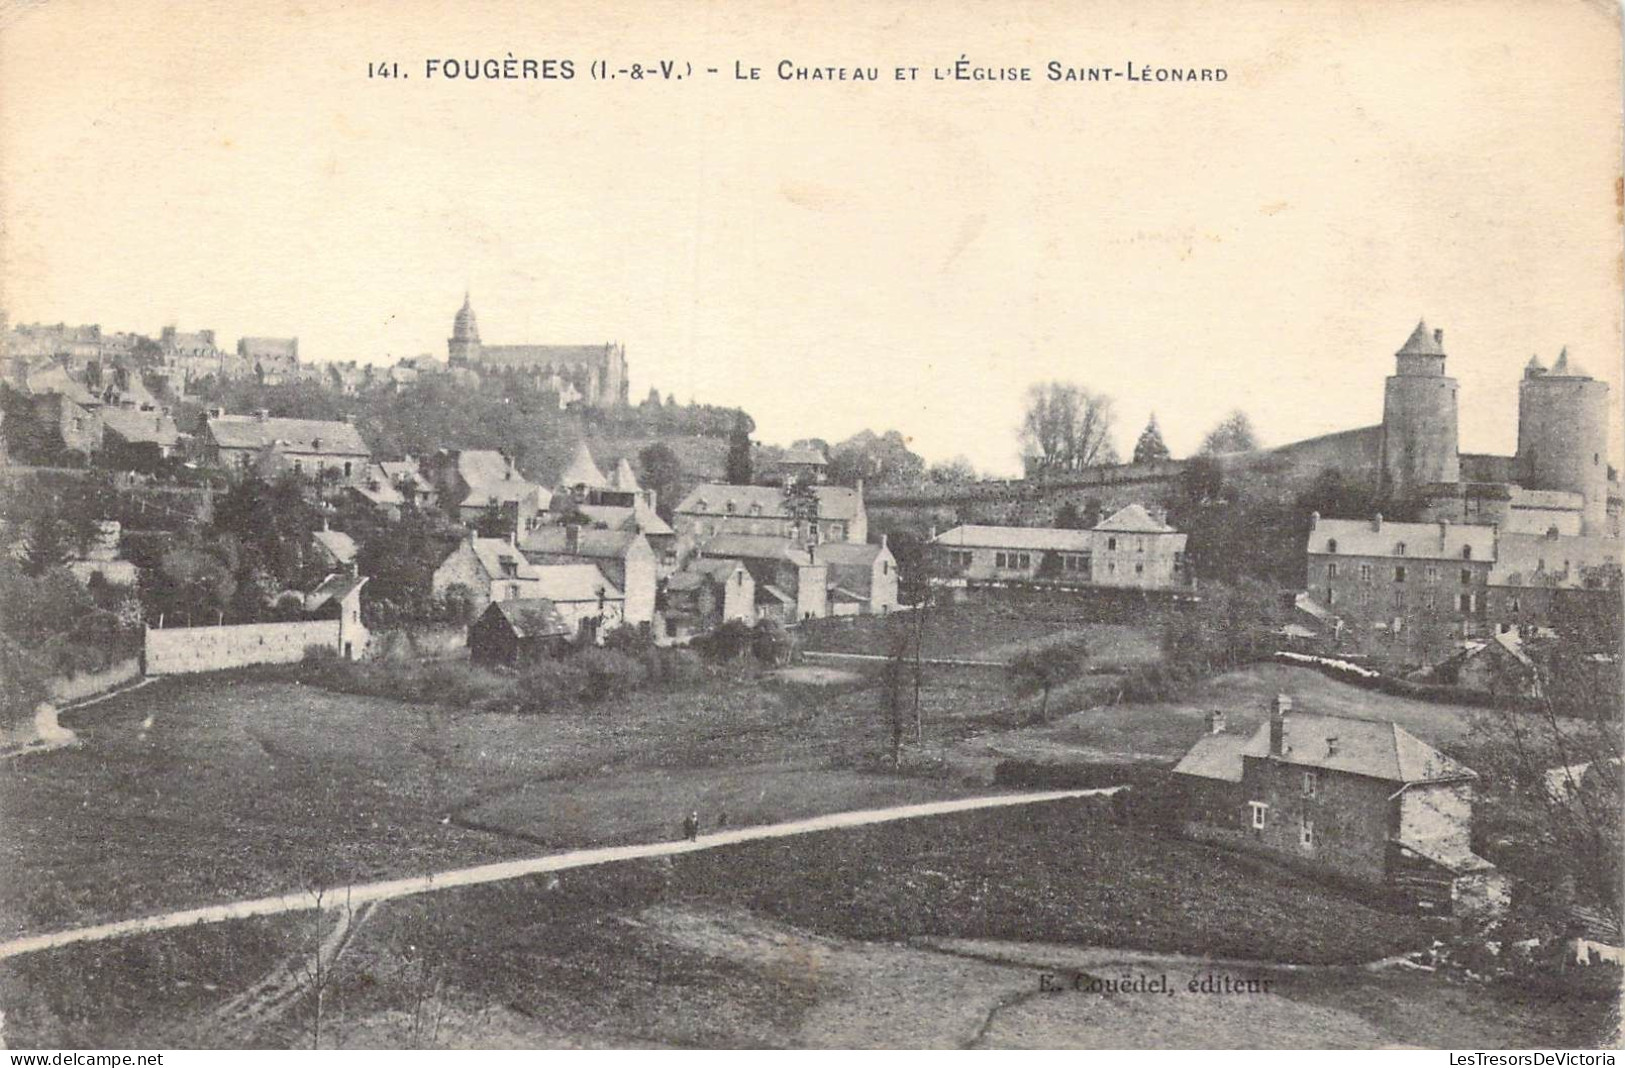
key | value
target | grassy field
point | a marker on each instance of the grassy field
(987, 632)
(193, 791)
(900, 935)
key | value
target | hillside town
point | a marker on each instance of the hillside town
(1389, 643)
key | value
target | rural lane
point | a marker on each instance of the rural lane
(388, 890)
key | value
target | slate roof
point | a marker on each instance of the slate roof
(1134, 519)
(335, 587)
(803, 458)
(624, 479)
(1421, 342)
(543, 355)
(1038, 539)
(1423, 541)
(712, 498)
(406, 471)
(1378, 749)
(532, 617)
(638, 518)
(582, 470)
(754, 547)
(339, 545)
(699, 571)
(1560, 562)
(478, 466)
(564, 583)
(295, 435)
(493, 552)
(137, 427)
(602, 544)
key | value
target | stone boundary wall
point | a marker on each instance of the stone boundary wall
(67, 689)
(424, 643)
(183, 650)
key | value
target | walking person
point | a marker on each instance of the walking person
(691, 825)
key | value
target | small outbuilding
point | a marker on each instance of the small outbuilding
(510, 633)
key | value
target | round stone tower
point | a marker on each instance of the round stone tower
(463, 347)
(1563, 436)
(1419, 417)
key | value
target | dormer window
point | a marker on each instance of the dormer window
(756, 508)
(1466, 552)
(1399, 550)
(729, 508)
(1331, 545)
(510, 569)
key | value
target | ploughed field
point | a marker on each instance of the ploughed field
(936, 932)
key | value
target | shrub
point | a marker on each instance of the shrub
(771, 643)
(608, 673)
(679, 667)
(458, 683)
(550, 684)
(728, 642)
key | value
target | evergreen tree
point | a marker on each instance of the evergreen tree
(739, 459)
(1150, 448)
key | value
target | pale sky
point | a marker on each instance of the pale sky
(833, 256)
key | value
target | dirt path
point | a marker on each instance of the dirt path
(387, 890)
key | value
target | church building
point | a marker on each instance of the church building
(594, 373)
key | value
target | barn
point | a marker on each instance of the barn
(511, 633)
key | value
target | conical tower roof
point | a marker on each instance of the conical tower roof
(465, 327)
(1534, 366)
(1422, 342)
(582, 470)
(624, 479)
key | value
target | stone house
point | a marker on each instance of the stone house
(490, 569)
(376, 491)
(415, 490)
(512, 633)
(1130, 549)
(862, 578)
(1379, 575)
(623, 556)
(790, 584)
(1362, 800)
(588, 602)
(706, 594)
(316, 449)
(1537, 578)
(333, 547)
(338, 596)
(468, 482)
(712, 509)
(137, 438)
(809, 464)
(1494, 665)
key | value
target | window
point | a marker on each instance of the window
(1513, 604)
(756, 508)
(1399, 574)
(1365, 572)
(885, 567)
(999, 560)
(1139, 569)
(1331, 570)
(1139, 545)
(1331, 596)
(1399, 550)
(1466, 603)
(1427, 599)
(1399, 597)
(1433, 574)
(347, 469)
(1365, 596)
(1259, 809)
(1023, 561)
(1466, 576)
(1306, 832)
(729, 508)
(510, 569)
(1111, 543)
(1311, 783)
(298, 467)
(1466, 552)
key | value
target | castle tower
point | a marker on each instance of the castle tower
(1563, 436)
(463, 347)
(1419, 416)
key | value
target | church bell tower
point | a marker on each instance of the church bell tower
(463, 347)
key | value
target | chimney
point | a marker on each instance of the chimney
(217, 413)
(1314, 520)
(860, 489)
(1278, 713)
(1215, 722)
(1376, 522)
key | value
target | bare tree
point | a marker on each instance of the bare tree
(1067, 427)
(894, 696)
(1234, 433)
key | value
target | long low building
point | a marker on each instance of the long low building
(1471, 578)
(1132, 549)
